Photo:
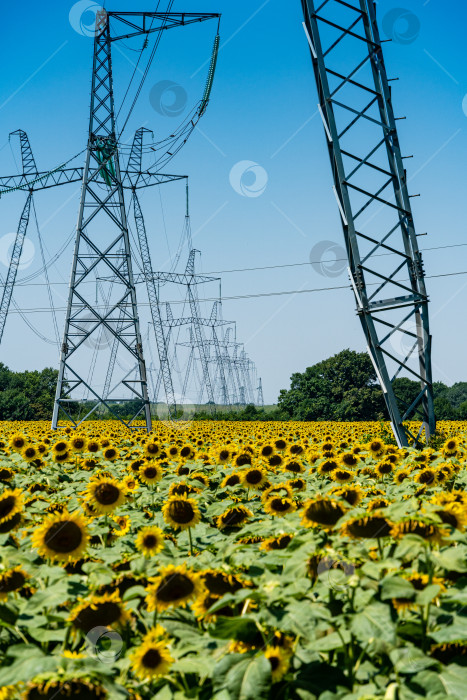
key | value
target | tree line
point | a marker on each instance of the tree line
(342, 388)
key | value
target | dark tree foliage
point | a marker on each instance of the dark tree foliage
(27, 395)
(342, 387)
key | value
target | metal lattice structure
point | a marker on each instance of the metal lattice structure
(14, 263)
(155, 308)
(260, 398)
(370, 185)
(29, 170)
(102, 247)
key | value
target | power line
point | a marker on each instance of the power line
(268, 267)
(255, 296)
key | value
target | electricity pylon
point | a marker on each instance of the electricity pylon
(102, 244)
(385, 264)
(260, 399)
(29, 171)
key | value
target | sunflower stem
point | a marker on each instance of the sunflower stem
(67, 638)
(191, 541)
(154, 619)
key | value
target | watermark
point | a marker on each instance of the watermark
(335, 573)
(249, 179)
(464, 105)
(28, 252)
(99, 337)
(104, 644)
(328, 259)
(182, 417)
(410, 340)
(82, 17)
(168, 98)
(401, 25)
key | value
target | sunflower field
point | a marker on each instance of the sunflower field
(246, 561)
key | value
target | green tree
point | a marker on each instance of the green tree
(27, 395)
(342, 387)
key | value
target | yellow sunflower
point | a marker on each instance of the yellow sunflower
(11, 504)
(181, 512)
(61, 537)
(277, 542)
(78, 443)
(174, 587)
(110, 453)
(60, 447)
(152, 658)
(236, 516)
(253, 478)
(279, 660)
(149, 540)
(123, 523)
(105, 610)
(150, 473)
(105, 493)
(275, 505)
(321, 511)
(29, 453)
(12, 580)
(371, 526)
(17, 442)
(231, 480)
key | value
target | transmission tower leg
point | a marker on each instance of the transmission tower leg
(201, 347)
(102, 249)
(155, 308)
(14, 263)
(369, 178)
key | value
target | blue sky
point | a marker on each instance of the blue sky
(262, 110)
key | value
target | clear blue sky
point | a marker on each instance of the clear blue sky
(262, 109)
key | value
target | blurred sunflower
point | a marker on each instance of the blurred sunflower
(174, 587)
(123, 523)
(60, 448)
(279, 660)
(151, 449)
(253, 478)
(105, 493)
(12, 580)
(231, 480)
(150, 473)
(371, 526)
(275, 505)
(61, 537)
(17, 442)
(236, 516)
(149, 540)
(78, 443)
(181, 512)
(151, 659)
(105, 610)
(277, 542)
(343, 476)
(321, 511)
(11, 504)
(110, 453)
(29, 453)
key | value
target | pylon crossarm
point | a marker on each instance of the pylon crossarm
(169, 20)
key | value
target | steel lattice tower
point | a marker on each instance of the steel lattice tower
(102, 247)
(385, 264)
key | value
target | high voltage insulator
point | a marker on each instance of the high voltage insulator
(369, 179)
